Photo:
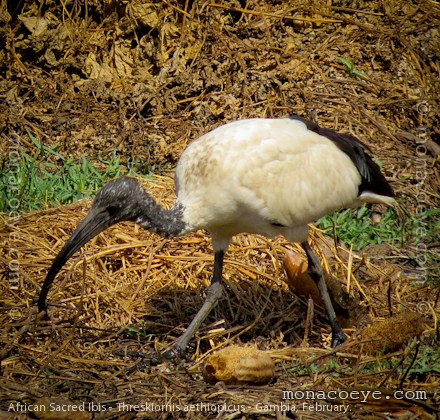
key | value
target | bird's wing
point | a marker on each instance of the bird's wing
(275, 168)
(299, 176)
(372, 179)
(279, 170)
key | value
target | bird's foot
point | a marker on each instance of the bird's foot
(176, 355)
(147, 360)
(338, 338)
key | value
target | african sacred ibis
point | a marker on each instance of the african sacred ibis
(264, 176)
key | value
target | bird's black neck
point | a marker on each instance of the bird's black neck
(157, 219)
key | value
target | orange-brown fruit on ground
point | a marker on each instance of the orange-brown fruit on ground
(298, 279)
(349, 310)
(239, 365)
(390, 334)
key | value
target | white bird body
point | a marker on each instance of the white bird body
(265, 176)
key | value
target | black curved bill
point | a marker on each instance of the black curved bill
(96, 221)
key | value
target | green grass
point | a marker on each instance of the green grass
(350, 67)
(332, 368)
(420, 362)
(418, 234)
(48, 179)
(137, 333)
(355, 227)
(426, 362)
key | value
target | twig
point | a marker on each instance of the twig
(309, 322)
(410, 365)
(273, 15)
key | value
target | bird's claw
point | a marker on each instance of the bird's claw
(175, 356)
(338, 338)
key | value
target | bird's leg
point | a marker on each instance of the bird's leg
(178, 352)
(316, 273)
(214, 294)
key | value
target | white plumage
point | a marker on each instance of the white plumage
(267, 170)
(265, 176)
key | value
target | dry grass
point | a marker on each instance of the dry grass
(143, 80)
(128, 277)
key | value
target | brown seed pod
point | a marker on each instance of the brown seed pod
(390, 334)
(239, 365)
(348, 309)
(298, 279)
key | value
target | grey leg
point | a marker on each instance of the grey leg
(214, 294)
(316, 273)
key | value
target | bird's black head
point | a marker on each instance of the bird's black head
(117, 201)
